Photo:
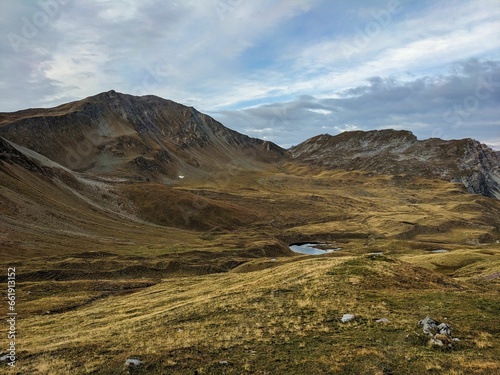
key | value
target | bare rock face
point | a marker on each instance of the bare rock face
(466, 161)
(9, 154)
(439, 333)
(113, 133)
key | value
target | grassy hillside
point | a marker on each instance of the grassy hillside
(197, 277)
(285, 319)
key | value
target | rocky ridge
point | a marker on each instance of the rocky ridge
(394, 152)
(143, 137)
(148, 138)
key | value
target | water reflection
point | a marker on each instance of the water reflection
(313, 248)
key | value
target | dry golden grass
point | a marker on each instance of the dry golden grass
(284, 320)
(119, 288)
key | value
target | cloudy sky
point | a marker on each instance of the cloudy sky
(282, 70)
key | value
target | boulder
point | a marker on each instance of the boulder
(133, 362)
(347, 318)
(439, 333)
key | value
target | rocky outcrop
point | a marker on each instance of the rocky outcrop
(466, 161)
(439, 333)
(9, 154)
(481, 182)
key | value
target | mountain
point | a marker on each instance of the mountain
(109, 244)
(148, 138)
(394, 152)
(51, 207)
(100, 171)
(144, 138)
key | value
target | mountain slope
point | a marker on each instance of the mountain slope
(201, 265)
(46, 208)
(135, 137)
(392, 152)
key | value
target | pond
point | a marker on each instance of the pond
(313, 248)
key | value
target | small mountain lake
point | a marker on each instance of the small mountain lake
(313, 248)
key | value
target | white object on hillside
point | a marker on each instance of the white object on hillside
(133, 362)
(347, 318)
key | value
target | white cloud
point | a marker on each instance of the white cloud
(346, 128)
(320, 111)
(232, 54)
(428, 106)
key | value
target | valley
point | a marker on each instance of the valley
(194, 275)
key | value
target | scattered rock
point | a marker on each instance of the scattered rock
(133, 362)
(492, 276)
(347, 318)
(383, 320)
(439, 333)
(371, 240)
(273, 260)
(442, 341)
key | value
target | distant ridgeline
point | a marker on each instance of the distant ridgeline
(393, 152)
(152, 139)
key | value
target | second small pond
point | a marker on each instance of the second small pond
(313, 248)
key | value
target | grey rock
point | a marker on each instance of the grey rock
(439, 333)
(148, 136)
(429, 325)
(133, 362)
(347, 318)
(444, 329)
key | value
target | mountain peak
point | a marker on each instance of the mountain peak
(392, 152)
(146, 137)
(389, 132)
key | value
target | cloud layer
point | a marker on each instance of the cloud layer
(461, 104)
(284, 70)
